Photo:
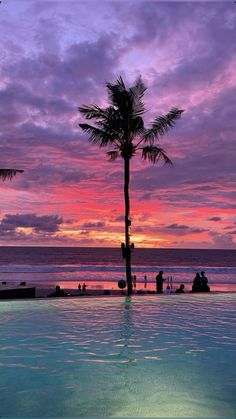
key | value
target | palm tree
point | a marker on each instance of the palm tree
(9, 173)
(121, 126)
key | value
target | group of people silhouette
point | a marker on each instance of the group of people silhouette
(200, 284)
(82, 287)
(61, 293)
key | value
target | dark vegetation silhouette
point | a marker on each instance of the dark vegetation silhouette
(9, 173)
(121, 126)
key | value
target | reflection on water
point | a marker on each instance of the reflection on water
(153, 356)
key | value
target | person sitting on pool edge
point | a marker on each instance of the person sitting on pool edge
(180, 290)
(197, 283)
(204, 283)
(200, 283)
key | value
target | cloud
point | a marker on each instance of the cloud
(222, 241)
(40, 224)
(177, 226)
(119, 219)
(175, 230)
(94, 225)
(54, 60)
(199, 230)
(45, 78)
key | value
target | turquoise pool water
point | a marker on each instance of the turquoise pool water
(154, 356)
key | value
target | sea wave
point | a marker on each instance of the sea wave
(105, 268)
(46, 273)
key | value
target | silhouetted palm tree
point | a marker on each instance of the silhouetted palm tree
(9, 173)
(121, 126)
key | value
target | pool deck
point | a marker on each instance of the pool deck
(45, 292)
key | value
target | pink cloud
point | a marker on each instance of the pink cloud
(54, 60)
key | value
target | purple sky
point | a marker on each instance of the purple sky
(57, 55)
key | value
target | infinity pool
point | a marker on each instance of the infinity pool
(153, 356)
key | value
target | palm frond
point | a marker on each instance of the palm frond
(137, 126)
(161, 125)
(139, 87)
(111, 123)
(116, 92)
(128, 105)
(123, 100)
(96, 135)
(9, 173)
(137, 92)
(92, 111)
(155, 154)
(120, 83)
(113, 155)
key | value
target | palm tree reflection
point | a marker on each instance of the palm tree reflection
(127, 333)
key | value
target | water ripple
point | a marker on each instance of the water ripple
(117, 350)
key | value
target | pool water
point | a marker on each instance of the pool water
(148, 356)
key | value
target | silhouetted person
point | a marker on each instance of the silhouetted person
(84, 286)
(204, 283)
(180, 290)
(134, 281)
(58, 292)
(197, 283)
(79, 287)
(145, 281)
(159, 282)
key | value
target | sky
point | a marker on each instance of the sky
(57, 55)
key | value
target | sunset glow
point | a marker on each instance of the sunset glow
(56, 56)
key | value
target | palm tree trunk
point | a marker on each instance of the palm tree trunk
(127, 225)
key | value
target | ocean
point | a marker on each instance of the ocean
(104, 267)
